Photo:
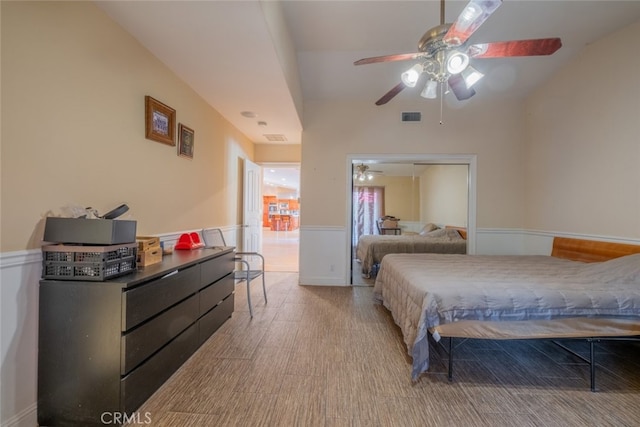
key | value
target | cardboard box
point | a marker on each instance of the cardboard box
(147, 242)
(149, 257)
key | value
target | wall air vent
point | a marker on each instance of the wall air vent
(411, 116)
(275, 137)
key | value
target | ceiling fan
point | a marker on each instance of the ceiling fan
(444, 54)
(362, 173)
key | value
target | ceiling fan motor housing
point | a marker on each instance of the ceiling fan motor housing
(432, 41)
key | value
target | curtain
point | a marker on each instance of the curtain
(368, 206)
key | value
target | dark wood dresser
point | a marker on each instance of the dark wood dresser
(105, 347)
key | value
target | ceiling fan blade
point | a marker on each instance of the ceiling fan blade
(389, 58)
(472, 16)
(533, 47)
(459, 88)
(389, 95)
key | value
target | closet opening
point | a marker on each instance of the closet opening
(399, 197)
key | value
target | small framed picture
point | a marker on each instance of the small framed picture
(160, 121)
(186, 139)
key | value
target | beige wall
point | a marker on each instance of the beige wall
(491, 131)
(444, 195)
(401, 196)
(73, 88)
(278, 153)
(72, 133)
(583, 153)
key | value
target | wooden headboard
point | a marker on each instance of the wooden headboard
(461, 230)
(590, 250)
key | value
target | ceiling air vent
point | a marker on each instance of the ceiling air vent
(275, 137)
(411, 116)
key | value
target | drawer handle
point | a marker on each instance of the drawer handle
(169, 274)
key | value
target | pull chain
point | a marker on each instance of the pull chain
(441, 100)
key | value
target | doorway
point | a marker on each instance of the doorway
(417, 190)
(281, 216)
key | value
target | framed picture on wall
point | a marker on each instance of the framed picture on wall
(186, 139)
(160, 121)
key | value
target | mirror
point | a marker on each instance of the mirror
(415, 193)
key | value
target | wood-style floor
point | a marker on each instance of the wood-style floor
(331, 356)
(281, 250)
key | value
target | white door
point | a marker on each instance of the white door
(252, 208)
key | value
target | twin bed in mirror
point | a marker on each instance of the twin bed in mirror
(371, 249)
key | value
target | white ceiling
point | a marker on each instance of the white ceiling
(282, 177)
(224, 49)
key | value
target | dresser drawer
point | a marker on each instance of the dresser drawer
(142, 342)
(211, 321)
(147, 300)
(216, 268)
(213, 294)
(136, 387)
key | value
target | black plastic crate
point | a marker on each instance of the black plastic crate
(96, 263)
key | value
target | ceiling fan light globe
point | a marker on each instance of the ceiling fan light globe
(411, 76)
(471, 76)
(457, 62)
(430, 90)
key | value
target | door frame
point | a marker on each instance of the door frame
(251, 207)
(441, 159)
(280, 165)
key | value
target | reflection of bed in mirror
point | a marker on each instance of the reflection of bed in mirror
(585, 289)
(371, 249)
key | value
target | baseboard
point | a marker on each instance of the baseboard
(321, 281)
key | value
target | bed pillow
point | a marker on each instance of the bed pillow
(624, 269)
(428, 228)
(440, 232)
(448, 234)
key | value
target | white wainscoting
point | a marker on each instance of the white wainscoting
(490, 241)
(324, 259)
(232, 235)
(500, 241)
(19, 278)
(410, 226)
